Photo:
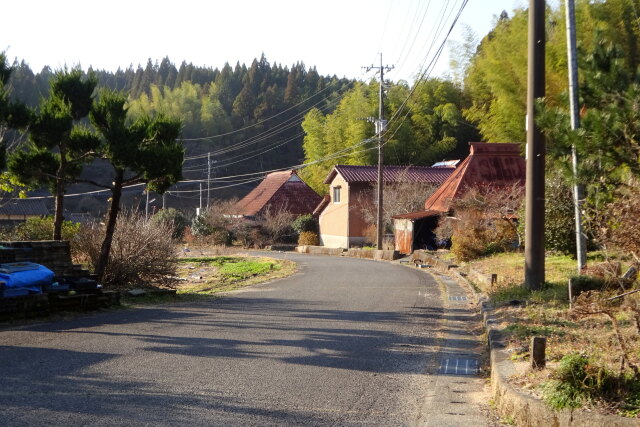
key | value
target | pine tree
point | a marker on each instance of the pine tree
(146, 150)
(58, 147)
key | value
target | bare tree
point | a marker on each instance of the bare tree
(276, 222)
(483, 221)
(399, 198)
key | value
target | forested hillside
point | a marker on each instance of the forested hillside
(247, 117)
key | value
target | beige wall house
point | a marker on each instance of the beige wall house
(340, 214)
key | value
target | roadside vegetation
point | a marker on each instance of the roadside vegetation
(593, 349)
(212, 275)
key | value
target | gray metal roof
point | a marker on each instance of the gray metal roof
(391, 174)
(24, 207)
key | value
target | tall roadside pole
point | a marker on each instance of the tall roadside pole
(534, 213)
(381, 126)
(208, 178)
(572, 59)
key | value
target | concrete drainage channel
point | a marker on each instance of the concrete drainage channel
(458, 380)
(521, 408)
(460, 336)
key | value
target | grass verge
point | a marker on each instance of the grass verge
(595, 341)
(208, 277)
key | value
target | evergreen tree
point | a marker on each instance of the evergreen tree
(13, 114)
(146, 150)
(58, 147)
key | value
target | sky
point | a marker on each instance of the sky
(338, 37)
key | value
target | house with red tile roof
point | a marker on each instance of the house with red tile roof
(340, 214)
(491, 165)
(279, 190)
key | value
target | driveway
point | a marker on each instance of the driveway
(343, 342)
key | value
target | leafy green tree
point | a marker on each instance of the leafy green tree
(145, 150)
(345, 128)
(439, 128)
(425, 129)
(496, 79)
(59, 145)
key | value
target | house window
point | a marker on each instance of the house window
(336, 194)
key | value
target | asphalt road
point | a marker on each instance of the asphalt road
(342, 342)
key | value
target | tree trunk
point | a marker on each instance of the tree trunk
(112, 216)
(59, 212)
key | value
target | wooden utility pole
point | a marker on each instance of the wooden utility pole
(572, 59)
(535, 197)
(381, 126)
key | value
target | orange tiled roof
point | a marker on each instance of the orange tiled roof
(487, 164)
(279, 189)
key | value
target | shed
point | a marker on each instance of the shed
(415, 231)
(488, 164)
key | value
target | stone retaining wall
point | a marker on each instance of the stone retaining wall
(53, 254)
(378, 255)
(419, 257)
(319, 250)
(41, 305)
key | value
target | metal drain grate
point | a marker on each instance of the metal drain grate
(457, 298)
(459, 367)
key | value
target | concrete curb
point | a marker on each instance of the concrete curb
(319, 250)
(525, 410)
(354, 253)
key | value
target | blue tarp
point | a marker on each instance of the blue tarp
(32, 280)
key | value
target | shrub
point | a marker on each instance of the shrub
(308, 238)
(142, 252)
(42, 229)
(572, 384)
(582, 283)
(215, 224)
(577, 381)
(199, 226)
(276, 224)
(370, 234)
(484, 222)
(243, 231)
(468, 243)
(259, 238)
(559, 221)
(176, 220)
(621, 225)
(305, 223)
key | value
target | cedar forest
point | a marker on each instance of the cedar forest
(267, 116)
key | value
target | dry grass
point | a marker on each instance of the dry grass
(522, 315)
